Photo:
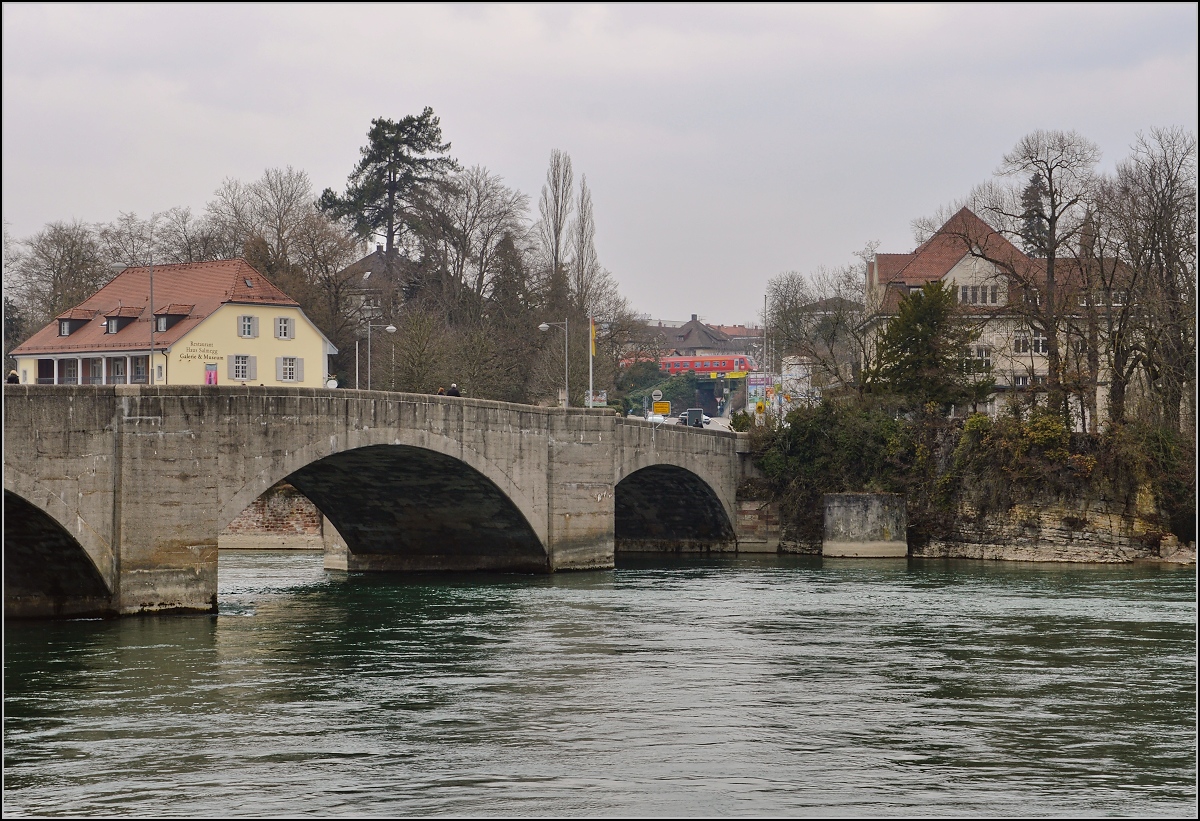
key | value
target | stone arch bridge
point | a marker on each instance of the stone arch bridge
(114, 495)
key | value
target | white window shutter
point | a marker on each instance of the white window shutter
(299, 369)
(254, 327)
(279, 369)
(252, 370)
(230, 359)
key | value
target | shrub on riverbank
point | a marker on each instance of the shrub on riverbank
(992, 464)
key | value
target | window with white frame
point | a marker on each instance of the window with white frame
(285, 327)
(1020, 381)
(64, 327)
(289, 369)
(1036, 342)
(241, 367)
(113, 325)
(247, 327)
(160, 323)
(983, 358)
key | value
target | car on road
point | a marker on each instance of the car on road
(683, 418)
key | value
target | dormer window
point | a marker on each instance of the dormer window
(64, 327)
(114, 325)
(160, 323)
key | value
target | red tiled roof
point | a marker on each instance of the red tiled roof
(203, 287)
(888, 265)
(934, 258)
(174, 309)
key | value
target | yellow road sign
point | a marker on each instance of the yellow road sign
(663, 408)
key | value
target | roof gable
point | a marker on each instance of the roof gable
(962, 235)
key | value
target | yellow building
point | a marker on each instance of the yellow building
(213, 323)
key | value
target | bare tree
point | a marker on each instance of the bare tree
(585, 265)
(56, 269)
(555, 207)
(1033, 216)
(824, 319)
(184, 237)
(129, 239)
(1157, 192)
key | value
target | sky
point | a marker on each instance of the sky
(723, 144)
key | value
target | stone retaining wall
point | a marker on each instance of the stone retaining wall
(1057, 533)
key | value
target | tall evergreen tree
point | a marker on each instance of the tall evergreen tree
(924, 351)
(1034, 228)
(399, 160)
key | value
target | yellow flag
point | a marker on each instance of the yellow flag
(593, 333)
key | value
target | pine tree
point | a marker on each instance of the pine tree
(399, 160)
(1034, 226)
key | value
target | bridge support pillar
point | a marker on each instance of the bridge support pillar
(166, 506)
(581, 497)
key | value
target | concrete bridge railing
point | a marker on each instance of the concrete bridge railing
(115, 495)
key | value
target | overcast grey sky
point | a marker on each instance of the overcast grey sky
(723, 144)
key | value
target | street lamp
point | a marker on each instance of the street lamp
(391, 329)
(545, 326)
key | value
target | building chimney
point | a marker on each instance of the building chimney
(693, 317)
(379, 248)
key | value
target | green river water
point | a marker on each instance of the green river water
(735, 687)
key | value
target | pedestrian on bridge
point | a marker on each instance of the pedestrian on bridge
(453, 390)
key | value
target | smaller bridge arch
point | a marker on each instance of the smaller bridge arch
(675, 489)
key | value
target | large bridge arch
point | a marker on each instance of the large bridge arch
(47, 572)
(332, 443)
(401, 507)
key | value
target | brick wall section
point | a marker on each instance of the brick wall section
(281, 511)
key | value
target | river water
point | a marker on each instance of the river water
(741, 686)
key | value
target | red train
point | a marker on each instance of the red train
(708, 364)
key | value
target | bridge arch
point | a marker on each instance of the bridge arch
(667, 507)
(408, 499)
(47, 572)
(92, 537)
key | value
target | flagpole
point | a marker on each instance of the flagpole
(591, 355)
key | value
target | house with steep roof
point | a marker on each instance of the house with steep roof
(210, 323)
(990, 278)
(995, 285)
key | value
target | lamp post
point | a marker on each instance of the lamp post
(545, 326)
(391, 329)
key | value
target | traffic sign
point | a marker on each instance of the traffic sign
(656, 396)
(662, 408)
